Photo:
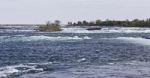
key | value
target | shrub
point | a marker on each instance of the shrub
(50, 27)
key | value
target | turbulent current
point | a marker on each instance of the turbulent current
(75, 55)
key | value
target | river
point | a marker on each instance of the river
(91, 54)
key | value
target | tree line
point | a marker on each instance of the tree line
(124, 23)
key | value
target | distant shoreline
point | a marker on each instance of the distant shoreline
(35, 27)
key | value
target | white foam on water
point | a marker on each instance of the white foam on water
(14, 30)
(35, 38)
(41, 37)
(136, 40)
(9, 70)
(78, 30)
(20, 69)
(116, 70)
(107, 30)
(81, 60)
(86, 37)
(4, 72)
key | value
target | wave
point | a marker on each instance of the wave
(10, 71)
(133, 69)
(39, 38)
(108, 30)
(14, 71)
(136, 40)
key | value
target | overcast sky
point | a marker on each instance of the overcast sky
(39, 11)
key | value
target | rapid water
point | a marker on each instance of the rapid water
(74, 55)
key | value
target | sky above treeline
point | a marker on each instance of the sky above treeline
(40, 11)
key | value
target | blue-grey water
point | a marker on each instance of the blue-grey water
(74, 55)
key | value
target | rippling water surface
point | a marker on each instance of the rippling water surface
(74, 55)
